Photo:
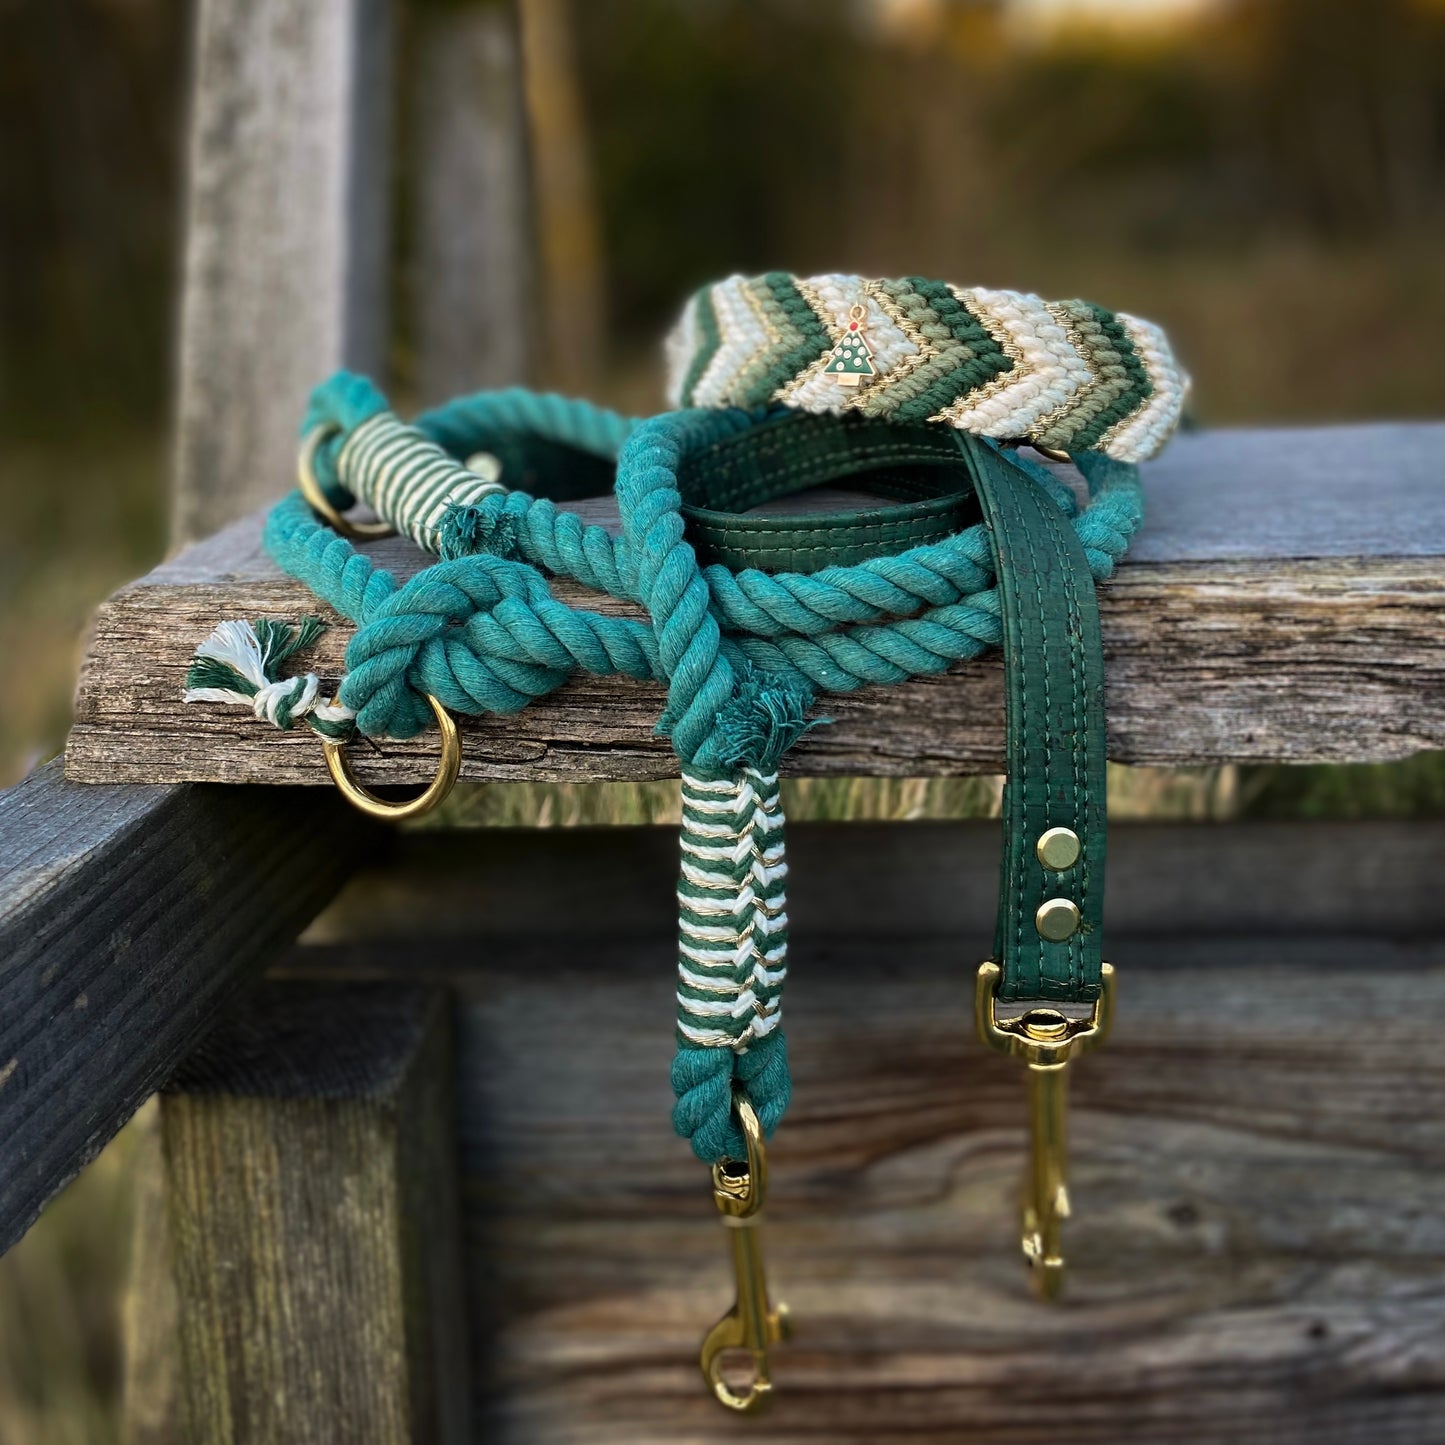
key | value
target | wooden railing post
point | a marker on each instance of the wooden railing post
(286, 229)
(472, 236)
(311, 1190)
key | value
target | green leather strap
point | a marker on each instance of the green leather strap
(918, 465)
(1054, 703)
(1053, 660)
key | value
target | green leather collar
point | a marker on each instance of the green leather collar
(919, 466)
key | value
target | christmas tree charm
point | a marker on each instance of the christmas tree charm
(852, 359)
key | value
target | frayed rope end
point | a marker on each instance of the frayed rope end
(239, 664)
(468, 529)
(765, 716)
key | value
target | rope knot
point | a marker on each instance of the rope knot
(281, 703)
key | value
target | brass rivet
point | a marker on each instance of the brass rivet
(1058, 848)
(1057, 919)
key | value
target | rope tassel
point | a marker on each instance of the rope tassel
(240, 664)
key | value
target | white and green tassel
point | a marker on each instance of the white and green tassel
(240, 663)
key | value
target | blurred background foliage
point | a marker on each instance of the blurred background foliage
(1266, 178)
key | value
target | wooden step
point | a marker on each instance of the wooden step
(1285, 602)
(1257, 1154)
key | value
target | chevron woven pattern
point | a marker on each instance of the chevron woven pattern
(1063, 374)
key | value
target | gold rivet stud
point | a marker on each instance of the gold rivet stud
(1057, 919)
(1058, 848)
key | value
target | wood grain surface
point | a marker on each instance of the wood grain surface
(1258, 1248)
(312, 1211)
(286, 231)
(1230, 646)
(474, 309)
(128, 918)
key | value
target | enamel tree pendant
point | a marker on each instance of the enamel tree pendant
(852, 357)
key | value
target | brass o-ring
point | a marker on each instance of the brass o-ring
(317, 500)
(424, 802)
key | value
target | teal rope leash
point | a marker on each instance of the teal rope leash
(881, 621)
(743, 654)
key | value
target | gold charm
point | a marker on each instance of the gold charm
(852, 358)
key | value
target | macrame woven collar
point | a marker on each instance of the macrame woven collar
(1001, 364)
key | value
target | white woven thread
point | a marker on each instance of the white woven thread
(732, 925)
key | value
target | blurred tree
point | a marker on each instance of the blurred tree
(572, 290)
(90, 115)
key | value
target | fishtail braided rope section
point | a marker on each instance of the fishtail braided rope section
(742, 654)
(732, 952)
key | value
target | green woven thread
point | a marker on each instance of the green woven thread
(708, 342)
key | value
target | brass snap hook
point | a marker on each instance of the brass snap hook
(1052, 454)
(424, 802)
(316, 498)
(753, 1324)
(1046, 1040)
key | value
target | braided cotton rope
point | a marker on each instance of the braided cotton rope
(742, 655)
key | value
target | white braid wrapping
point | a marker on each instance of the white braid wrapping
(732, 928)
(407, 480)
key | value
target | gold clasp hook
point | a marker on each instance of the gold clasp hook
(1046, 1040)
(752, 1324)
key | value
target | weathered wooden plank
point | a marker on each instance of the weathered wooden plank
(889, 881)
(474, 312)
(312, 1192)
(1329, 491)
(1228, 648)
(285, 237)
(572, 294)
(128, 917)
(1255, 1250)
(1258, 1179)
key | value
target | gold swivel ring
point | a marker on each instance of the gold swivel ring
(424, 802)
(1053, 454)
(317, 500)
